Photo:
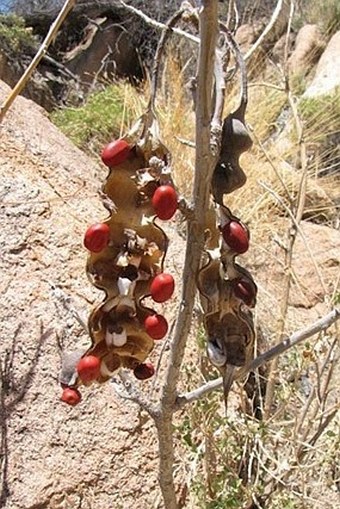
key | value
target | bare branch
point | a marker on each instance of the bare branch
(157, 24)
(280, 6)
(204, 165)
(296, 338)
(128, 390)
(169, 27)
(67, 7)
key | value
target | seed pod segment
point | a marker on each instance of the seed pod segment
(88, 368)
(71, 396)
(144, 371)
(245, 291)
(236, 236)
(156, 326)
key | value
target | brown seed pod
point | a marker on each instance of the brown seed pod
(126, 262)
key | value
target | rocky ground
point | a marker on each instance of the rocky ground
(102, 453)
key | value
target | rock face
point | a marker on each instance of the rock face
(96, 454)
(327, 74)
(37, 88)
(278, 51)
(315, 268)
(309, 45)
(105, 52)
(246, 35)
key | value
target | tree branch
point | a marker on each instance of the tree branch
(157, 24)
(204, 164)
(67, 7)
(296, 338)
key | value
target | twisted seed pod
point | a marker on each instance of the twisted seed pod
(228, 290)
(125, 262)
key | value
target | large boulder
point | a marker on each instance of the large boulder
(38, 88)
(327, 75)
(105, 51)
(309, 45)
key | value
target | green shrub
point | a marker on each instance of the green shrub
(15, 37)
(100, 119)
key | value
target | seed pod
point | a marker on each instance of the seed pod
(245, 291)
(97, 237)
(144, 371)
(71, 396)
(156, 326)
(236, 236)
(164, 202)
(162, 287)
(115, 153)
(88, 368)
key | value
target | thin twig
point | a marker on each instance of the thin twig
(67, 7)
(157, 24)
(160, 52)
(299, 230)
(278, 10)
(296, 338)
(129, 391)
(292, 231)
(272, 164)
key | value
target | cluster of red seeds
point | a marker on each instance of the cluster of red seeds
(97, 238)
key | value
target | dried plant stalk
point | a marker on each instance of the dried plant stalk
(67, 7)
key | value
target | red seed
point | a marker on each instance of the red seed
(245, 291)
(97, 237)
(156, 326)
(236, 236)
(164, 202)
(115, 153)
(88, 368)
(144, 371)
(162, 287)
(71, 396)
